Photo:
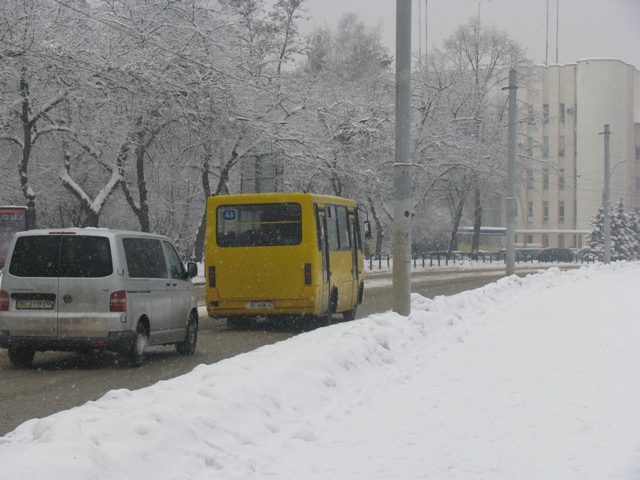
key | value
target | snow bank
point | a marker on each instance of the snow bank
(530, 377)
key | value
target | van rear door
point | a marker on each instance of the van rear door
(85, 285)
(32, 282)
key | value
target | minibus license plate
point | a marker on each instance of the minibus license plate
(259, 304)
(34, 304)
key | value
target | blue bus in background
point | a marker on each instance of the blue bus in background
(12, 219)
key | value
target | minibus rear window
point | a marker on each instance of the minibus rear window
(259, 225)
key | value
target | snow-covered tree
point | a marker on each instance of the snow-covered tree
(625, 236)
(35, 61)
(462, 115)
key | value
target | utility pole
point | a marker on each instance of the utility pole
(606, 199)
(511, 177)
(402, 205)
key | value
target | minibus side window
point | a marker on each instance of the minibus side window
(343, 228)
(332, 228)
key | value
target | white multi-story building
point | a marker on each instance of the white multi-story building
(565, 173)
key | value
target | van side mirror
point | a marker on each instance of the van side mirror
(192, 269)
(367, 230)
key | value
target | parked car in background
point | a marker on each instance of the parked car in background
(527, 254)
(556, 255)
(87, 289)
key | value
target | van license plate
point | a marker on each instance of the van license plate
(259, 304)
(22, 304)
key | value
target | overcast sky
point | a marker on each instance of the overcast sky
(587, 28)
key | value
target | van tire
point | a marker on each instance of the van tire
(21, 357)
(188, 347)
(138, 350)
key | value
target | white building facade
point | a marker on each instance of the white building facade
(563, 185)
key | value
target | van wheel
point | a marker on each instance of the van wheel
(138, 349)
(188, 347)
(21, 357)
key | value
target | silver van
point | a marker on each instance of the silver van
(93, 288)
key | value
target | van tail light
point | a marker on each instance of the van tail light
(4, 301)
(307, 274)
(118, 301)
(212, 277)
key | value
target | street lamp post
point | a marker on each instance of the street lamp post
(511, 177)
(402, 167)
(606, 200)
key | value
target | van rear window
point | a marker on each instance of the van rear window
(76, 256)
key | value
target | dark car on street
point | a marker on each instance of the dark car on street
(556, 255)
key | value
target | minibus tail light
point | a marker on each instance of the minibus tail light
(212, 277)
(118, 301)
(4, 301)
(307, 274)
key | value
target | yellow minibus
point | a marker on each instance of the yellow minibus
(283, 255)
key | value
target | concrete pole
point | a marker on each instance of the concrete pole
(606, 199)
(402, 206)
(511, 177)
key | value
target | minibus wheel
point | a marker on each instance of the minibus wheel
(241, 322)
(349, 314)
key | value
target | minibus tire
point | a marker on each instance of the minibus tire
(349, 314)
(188, 347)
(241, 322)
(21, 357)
(138, 348)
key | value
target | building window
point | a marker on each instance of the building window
(529, 177)
(561, 211)
(545, 178)
(530, 209)
(561, 181)
(545, 112)
(545, 210)
(561, 146)
(637, 153)
(637, 184)
(545, 146)
(530, 146)
(561, 112)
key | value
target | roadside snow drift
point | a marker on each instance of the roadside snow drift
(533, 378)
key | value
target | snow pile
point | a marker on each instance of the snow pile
(526, 378)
